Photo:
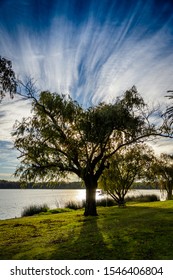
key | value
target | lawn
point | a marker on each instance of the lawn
(139, 231)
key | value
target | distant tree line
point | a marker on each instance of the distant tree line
(16, 185)
(5, 184)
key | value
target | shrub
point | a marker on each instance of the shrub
(142, 198)
(100, 202)
(59, 210)
(74, 205)
(56, 211)
(106, 202)
(34, 209)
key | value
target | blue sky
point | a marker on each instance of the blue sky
(93, 49)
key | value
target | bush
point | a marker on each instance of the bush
(74, 205)
(57, 211)
(79, 205)
(106, 202)
(142, 198)
(34, 209)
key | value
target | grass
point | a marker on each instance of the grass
(138, 231)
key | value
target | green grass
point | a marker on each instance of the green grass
(138, 231)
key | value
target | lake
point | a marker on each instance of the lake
(12, 202)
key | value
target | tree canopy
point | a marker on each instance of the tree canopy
(161, 173)
(169, 111)
(127, 165)
(8, 82)
(62, 137)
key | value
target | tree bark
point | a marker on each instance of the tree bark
(169, 192)
(121, 201)
(90, 206)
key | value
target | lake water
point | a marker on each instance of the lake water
(12, 202)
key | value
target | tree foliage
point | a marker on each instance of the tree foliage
(8, 82)
(127, 165)
(169, 111)
(62, 137)
(161, 173)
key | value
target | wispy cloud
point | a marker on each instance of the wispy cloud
(95, 62)
(10, 111)
(8, 160)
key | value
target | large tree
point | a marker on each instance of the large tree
(61, 138)
(8, 82)
(126, 165)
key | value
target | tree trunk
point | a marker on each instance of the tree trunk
(169, 192)
(90, 207)
(121, 202)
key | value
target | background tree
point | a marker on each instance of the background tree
(8, 82)
(128, 164)
(161, 173)
(61, 138)
(169, 111)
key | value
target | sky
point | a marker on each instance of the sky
(93, 50)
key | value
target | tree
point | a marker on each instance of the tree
(8, 82)
(162, 173)
(61, 137)
(169, 110)
(128, 164)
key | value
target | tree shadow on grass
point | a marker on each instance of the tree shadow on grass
(131, 236)
(132, 233)
(88, 245)
(142, 233)
(95, 241)
(93, 245)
